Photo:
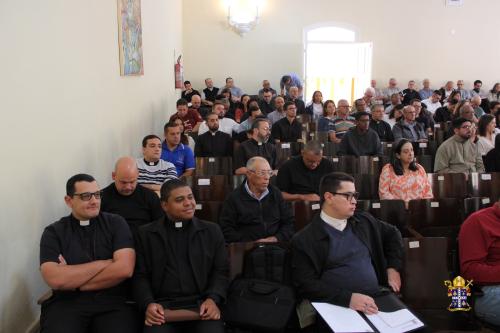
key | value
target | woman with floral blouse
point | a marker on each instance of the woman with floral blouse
(403, 178)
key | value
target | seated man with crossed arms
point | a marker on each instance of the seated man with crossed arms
(85, 258)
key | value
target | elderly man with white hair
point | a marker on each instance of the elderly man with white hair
(256, 210)
(475, 102)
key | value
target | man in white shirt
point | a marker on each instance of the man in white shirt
(432, 103)
(226, 125)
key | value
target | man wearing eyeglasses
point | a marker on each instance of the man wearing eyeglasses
(459, 153)
(85, 258)
(256, 210)
(344, 256)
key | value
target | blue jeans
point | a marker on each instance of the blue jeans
(487, 307)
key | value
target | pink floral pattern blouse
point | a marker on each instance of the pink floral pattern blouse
(413, 185)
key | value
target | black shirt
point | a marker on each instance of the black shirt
(360, 144)
(265, 107)
(214, 145)
(251, 148)
(383, 130)
(285, 131)
(139, 208)
(78, 244)
(179, 279)
(442, 115)
(295, 178)
(409, 95)
(211, 95)
(187, 96)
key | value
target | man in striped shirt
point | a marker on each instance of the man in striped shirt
(153, 171)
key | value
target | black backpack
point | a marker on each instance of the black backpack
(261, 298)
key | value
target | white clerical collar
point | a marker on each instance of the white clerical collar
(84, 223)
(336, 223)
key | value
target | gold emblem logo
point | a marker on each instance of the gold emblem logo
(458, 291)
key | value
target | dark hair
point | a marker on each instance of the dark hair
(252, 109)
(478, 81)
(415, 100)
(81, 177)
(359, 114)
(325, 105)
(331, 183)
(397, 107)
(149, 137)
(453, 93)
(187, 82)
(266, 90)
(314, 93)
(228, 78)
(217, 102)
(457, 122)
(494, 87)
(287, 104)
(437, 92)
(257, 121)
(181, 101)
(497, 142)
(170, 124)
(483, 124)
(396, 162)
(285, 78)
(169, 186)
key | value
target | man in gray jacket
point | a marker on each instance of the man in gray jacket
(459, 153)
(408, 127)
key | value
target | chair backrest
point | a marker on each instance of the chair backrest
(367, 186)
(321, 137)
(208, 210)
(425, 268)
(474, 204)
(426, 161)
(436, 217)
(448, 185)
(347, 163)
(485, 185)
(372, 165)
(209, 188)
(393, 212)
(285, 150)
(304, 213)
(208, 166)
(387, 148)
(236, 254)
(330, 148)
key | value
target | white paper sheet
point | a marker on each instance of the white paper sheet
(395, 322)
(340, 319)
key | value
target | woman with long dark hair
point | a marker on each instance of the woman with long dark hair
(326, 123)
(494, 94)
(487, 132)
(403, 178)
(315, 106)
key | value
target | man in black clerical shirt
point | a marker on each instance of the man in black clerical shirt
(344, 256)
(181, 262)
(213, 143)
(209, 93)
(289, 128)
(257, 145)
(85, 258)
(266, 103)
(256, 210)
(377, 124)
(299, 177)
(136, 204)
(361, 140)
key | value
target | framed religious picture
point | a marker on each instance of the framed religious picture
(130, 37)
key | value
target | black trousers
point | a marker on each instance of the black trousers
(198, 326)
(88, 314)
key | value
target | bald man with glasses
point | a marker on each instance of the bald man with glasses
(256, 210)
(86, 258)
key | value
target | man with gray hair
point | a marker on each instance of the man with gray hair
(256, 210)
(390, 90)
(294, 97)
(464, 93)
(475, 102)
(299, 177)
(408, 127)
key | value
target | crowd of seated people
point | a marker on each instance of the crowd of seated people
(91, 252)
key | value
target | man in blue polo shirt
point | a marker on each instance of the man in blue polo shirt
(173, 151)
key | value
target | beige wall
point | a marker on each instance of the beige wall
(412, 40)
(65, 109)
